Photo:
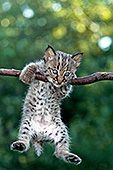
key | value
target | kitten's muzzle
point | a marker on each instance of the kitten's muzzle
(60, 80)
(60, 83)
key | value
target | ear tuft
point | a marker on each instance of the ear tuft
(49, 54)
(77, 58)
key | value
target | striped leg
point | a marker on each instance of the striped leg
(37, 145)
(62, 148)
(23, 143)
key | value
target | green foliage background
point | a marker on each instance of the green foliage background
(71, 26)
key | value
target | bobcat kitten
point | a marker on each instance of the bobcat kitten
(41, 120)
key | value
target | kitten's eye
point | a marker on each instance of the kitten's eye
(55, 71)
(67, 74)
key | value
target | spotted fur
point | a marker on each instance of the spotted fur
(41, 120)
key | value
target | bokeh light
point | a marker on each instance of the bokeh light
(28, 13)
(42, 22)
(78, 11)
(56, 6)
(5, 22)
(6, 6)
(105, 43)
(59, 31)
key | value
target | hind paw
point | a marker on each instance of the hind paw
(73, 158)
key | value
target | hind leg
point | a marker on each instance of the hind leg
(37, 145)
(23, 142)
(62, 147)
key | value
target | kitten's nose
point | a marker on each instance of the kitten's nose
(60, 80)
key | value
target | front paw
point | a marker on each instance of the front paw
(28, 73)
(19, 146)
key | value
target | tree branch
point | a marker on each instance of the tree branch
(77, 81)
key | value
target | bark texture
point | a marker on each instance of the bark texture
(98, 76)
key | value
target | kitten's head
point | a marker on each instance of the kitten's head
(61, 66)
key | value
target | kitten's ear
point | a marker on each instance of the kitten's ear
(49, 54)
(77, 58)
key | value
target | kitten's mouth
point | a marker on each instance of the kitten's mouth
(58, 84)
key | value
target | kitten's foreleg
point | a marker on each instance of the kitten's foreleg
(28, 73)
(23, 138)
(62, 149)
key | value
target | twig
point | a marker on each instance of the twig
(98, 76)
(16, 73)
(77, 81)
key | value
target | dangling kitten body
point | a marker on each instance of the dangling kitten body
(41, 120)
